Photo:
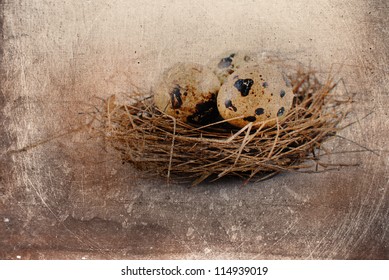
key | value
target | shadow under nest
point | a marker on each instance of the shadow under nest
(161, 145)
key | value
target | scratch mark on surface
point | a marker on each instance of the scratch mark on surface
(82, 187)
(289, 229)
(294, 194)
(195, 229)
(91, 244)
(319, 244)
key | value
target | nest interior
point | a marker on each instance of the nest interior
(161, 145)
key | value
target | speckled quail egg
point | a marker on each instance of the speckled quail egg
(225, 64)
(257, 93)
(187, 91)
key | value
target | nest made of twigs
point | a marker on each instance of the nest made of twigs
(160, 144)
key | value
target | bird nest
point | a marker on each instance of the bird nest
(160, 144)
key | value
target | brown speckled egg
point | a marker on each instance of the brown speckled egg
(187, 91)
(258, 93)
(225, 64)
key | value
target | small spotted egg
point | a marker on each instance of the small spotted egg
(258, 93)
(187, 91)
(225, 64)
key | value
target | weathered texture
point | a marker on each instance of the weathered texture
(70, 198)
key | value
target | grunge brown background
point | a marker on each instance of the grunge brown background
(64, 195)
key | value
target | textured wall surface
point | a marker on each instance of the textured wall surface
(63, 195)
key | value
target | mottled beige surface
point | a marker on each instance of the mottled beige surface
(70, 198)
(263, 93)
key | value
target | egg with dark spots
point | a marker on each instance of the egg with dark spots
(243, 86)
(245, 97)
(228, 104)
(250, 118)
(227, 63)
(187, 91)
(259, 111)
(281, 112)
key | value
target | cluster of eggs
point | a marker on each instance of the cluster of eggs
(235, 87)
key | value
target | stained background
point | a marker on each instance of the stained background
(64, 195)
